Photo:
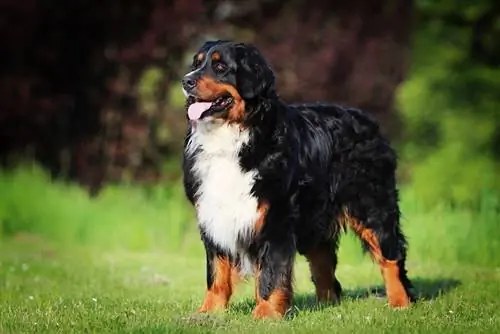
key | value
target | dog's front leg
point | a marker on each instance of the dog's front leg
(273, 290)
(219, 284)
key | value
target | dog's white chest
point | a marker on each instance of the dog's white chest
(226, 209)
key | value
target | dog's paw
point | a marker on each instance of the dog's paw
(265, 310)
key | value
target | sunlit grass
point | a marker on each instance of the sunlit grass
(130, 260)
(49, 288)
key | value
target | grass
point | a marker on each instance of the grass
(130, 260)
(46, 288)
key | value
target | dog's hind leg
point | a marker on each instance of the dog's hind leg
(378, 228)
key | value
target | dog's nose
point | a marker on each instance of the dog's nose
(188, 83)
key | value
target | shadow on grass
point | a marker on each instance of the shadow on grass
(173, 328)
(424, 289)
(189, 323)
(429, 289)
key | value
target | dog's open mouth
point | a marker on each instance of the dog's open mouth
(199, 108)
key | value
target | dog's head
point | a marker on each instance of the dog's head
(224, 77)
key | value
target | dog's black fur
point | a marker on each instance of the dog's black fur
(321, 168)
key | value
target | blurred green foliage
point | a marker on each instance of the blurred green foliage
(126, 217)
(148, 89)
(159, 218)
(450, 104)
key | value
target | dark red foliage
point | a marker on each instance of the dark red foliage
(69, 74)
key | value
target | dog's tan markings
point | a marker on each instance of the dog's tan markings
(237, 112)
(208, 89)
(396, 292)
(322, 268)
(275, 306)
(215, 56)
(257, 278)
(200, 56)
(217, 296)
(261, 212)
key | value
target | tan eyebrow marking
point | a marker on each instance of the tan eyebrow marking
(215, 56)
(200, 56)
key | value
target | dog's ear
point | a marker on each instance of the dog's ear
(254, 77)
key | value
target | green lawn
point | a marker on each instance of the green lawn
(46, 288)
(130, 260)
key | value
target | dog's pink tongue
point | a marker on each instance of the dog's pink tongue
(196, 109)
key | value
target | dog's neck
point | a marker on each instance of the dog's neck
(261, 111)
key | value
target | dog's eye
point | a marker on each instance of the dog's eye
(195, 64)
(220, 67)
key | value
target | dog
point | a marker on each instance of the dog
(269, 180)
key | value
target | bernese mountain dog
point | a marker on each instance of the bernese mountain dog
(270, 180)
